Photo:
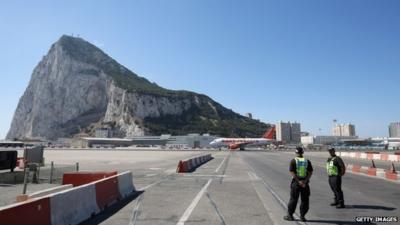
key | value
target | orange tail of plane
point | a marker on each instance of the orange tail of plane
(270, 134)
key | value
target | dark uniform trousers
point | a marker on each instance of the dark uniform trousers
(336, 185)
(295, 191)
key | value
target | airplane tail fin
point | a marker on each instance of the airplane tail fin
(270, 134)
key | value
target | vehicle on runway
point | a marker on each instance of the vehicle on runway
(240, 143)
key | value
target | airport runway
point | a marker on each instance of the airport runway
(237, 188)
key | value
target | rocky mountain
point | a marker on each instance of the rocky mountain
(77, 88)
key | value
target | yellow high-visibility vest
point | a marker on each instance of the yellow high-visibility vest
(331, 168)
(301, 167)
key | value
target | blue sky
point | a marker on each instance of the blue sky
(305, 61)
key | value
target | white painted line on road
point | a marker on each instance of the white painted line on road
(193, 205)
(155, 168)
(253, 176)
(274, 194)
(150, 185)
(204, 175)
(170, 171)
(222, 163)
(151, 175)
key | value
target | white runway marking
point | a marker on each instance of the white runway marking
(274, 194)
(151, 175)
(150, 185)
(203, 175)
(253, 176)
(220, 165)
(193, 205)
(155, 168)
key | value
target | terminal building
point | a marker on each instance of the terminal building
(323, 140)
(166, 141)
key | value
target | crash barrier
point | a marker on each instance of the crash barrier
(388, 174)
(80, 178)
(72, 206)
(42, 193)
(188, 165)
(48, 191)
(8, 160)
(371, 155)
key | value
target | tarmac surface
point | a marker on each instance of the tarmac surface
(235, 188)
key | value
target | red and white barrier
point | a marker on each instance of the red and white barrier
(188, 165)
(72, 206)
(32, 212)
(125, 184)
(389, 174)
(48, 191)
(370, 156)
(85, 177)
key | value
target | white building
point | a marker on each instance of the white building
(344, 130)
(394, 129)
(288, 133)
(393, 143)
(103, 133)
(323, 140)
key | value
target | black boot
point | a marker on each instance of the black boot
(288, 218)
(333, 204)
(340, 205)
(303, 218)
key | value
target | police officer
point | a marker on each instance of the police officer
(301, 171)
(336, 169)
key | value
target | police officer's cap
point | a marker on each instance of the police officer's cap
(331, 149)
(299, 150)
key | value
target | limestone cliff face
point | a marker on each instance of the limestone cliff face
(76, 88)
(60, 98)
(127, 110)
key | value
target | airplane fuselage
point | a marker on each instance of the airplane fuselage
(241, 143)
(235, 143)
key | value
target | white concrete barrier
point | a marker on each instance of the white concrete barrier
(188, 165)
(381, 156)
(73, 206)
(50, 191)
(393, 158)
(125, 184)
(376, 156)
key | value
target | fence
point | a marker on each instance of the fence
(52, 173)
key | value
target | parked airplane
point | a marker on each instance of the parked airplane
(241, 143)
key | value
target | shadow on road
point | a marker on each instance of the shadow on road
(339, 222)
(107, 213)
(375, 207)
